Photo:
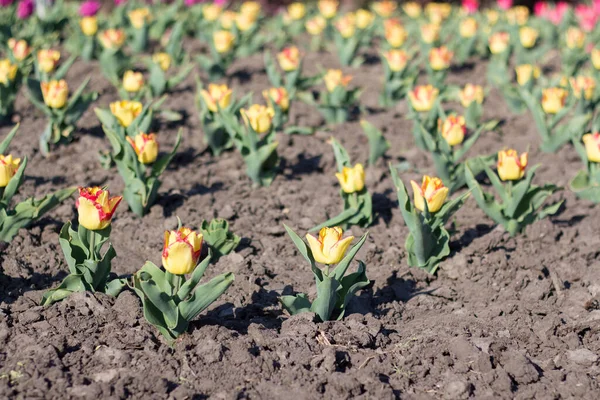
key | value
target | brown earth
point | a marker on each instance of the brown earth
(504, 317)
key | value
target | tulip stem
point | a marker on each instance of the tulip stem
(92, 245)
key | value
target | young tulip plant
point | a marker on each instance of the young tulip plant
(548, 114)
(522, 203)
(573, 54)
(163, 78)
(467, 44)
(10, 81)
(84, 40)
(113, 61)
(219, 238)
(586, 94)
(527, 76)
(46, 63)
(399, 76)
(424, 111)
(223, 47)
(586, 183)
(290, 62)
(169, 299)
(440, 59)
(347, 39)
(19, 54)
(378, 144)
(139, 24)
(471, 97)
(63, 111)
(335, 288)
(126, 117)
(427, 243)
(358, 205)
(26, 212)
(89, 265)
(337, 102)
(246, 29)
(499, 46)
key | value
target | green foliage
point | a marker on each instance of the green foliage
(218, 236)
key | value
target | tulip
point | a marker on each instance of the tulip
(244, 22)
(412, 9)
(328, 8)
(89, 8)
(396, 59)
(19, 48)
(216, 94)
(525, 72)
(592, 146)
(553, 99)
(468, 28)
(181, 251)
(518, 15)
(96, 208)
(498, 42)
(395, 34)
(432, 191)
(251, 9)
(259, 117)
(471, 93)
(133, 81)
(8, 71)
(139, 17)
(352, 179)
(430, 33)
(48, 59)
(438, 12)
(289, 58)
(384, 8)
(334, 78)
(492, 16)
(296, 11)
(511, 167)
(575, 38)
(364, 18)
(163, 60)
(227, 19)
(528, 36)
(25, 8)
(585, 85)
(453, 129)
(211, 12)
(279, 96)
(440, 58)
(504, 4)
(423, 98)
(145, 146)
(126, 111)
(223, 41)
(595, 56)
(89, 25)
(55, 93)
(112, 39)
(8, 168)
(346, 25)
(470, 6)
(315, 25)
(329, 248)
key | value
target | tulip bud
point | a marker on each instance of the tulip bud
(412, 9)
(471, 93)
(453, 129)
(258, 117)
(592, 146)
(289, 58)
(346, 25)
(251, 9)
(244, 22)
(227, 19)
(163, 60)
(329, 248)
(575, 38)
(430, 33)
(468, 28)
(511, 167)
(528, 36)
(396, 59)
(525, 72)
(278, 96)
(96, 208)
(595, 56)
(296, 11)
(553, 100)
(112, 39)
(19, 48)
(352, 179)
(431, 191)
(518, 15)
(583, 85)
(223, 41)
(315, 25)
(395, 34)
(88, 25)
(8, 169)
(498, 42)
(334, 78)
(384, 9)
(145, 147)
(216, 94)
(440, 58)
(126, 111)
(139, 17)
(364, 18)
(328, 8)
(423, 98)
(133, 81)
(437, 12)
(55, 93)
(48, 59)
(181, 251)
(211, 12)
(492, 16)
(8, 71)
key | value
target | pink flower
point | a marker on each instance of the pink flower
(119, 2)
(505, 4)
(541, 8)
(587, 16)
(470, 6)
(89, 8)
(25, 9)
(5, 3)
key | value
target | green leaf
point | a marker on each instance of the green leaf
(342, 266)
(162, 301)
(295, 304)
(518, 193)
(197, 275)
(13, 184)
(324, 304)
(205, 295)
(159, 166)
(378, 145)
(341, 155)
(6, 142)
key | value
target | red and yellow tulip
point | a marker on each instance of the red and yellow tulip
(526, 72)
(440, 58)
(289, 58)
(453, 129)
(55, 93)
(216, 94)
(431, 191)
(96, 208)
(395, 34)
(48, 59)
(89, 25)
(334, 78)
(592, 146)
(511, 166)
(259, 117)
(8, 169)
(223, 41)
(8, 71)
(133, 81)
(20, 48)
(471, 93)
(583, 86)
(396, 59)
(279, 96)
(112, 38)
(498, 42)
(423, 98)
(352, 179)
(553, 99)
(145, 146)
(126, 111)
(181, 251)
(329, 248)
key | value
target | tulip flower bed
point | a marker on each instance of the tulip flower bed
(207, 212)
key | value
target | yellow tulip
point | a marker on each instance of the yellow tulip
(438, 12)
(259, 117)
(334, 78)
(244, 22)
(430, 33)
(585, 85)
(89, 25)
(431, 191)
(492, 16)
(227, 19)
(20, 49)
(278, 96)
(384, 8)
(8, 168)
(328, 8)
(289, 58)
(528, 36)
(518, 15)
(96, 208)
(471, 93)
(498, 42)
(133, 81)
(315, 25)
(440, 58)
(296, 11)
(396, 59)
(468, 27)
(412, 9)
(575, 38)
(553, 99)
(251, 9)
(181, 251)
(423, 98)
(163, 60)
(352, 179)
(211, 12)
(510, 166)
(329, 248)
(126, 111)
(112, 38)
(346, 25)
(216, 94)
(48, 59)
(139, 17)
(453, 129)
(395, 34)
(364, 18)
(595, 56)
(55, 93)
(525, 72)
(592, 146)
(223, 41)
(8, 71)
(145, 146)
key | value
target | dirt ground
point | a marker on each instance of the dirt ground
(504, 317)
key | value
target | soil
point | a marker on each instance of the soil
(504, 317)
